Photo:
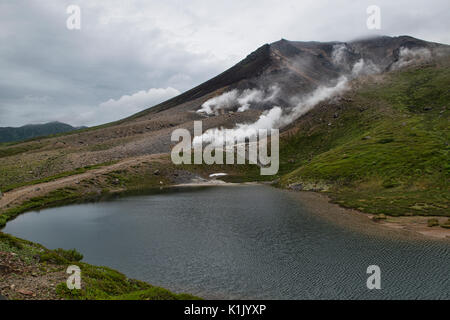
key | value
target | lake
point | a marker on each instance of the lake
(239, 242)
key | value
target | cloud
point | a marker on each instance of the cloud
(128, 46)
(127, 105)
(141, 99)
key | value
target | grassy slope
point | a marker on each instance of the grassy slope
(387, 151)
(97, 282)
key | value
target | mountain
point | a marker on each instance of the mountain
(9, 134)
(297, 66)
(378, 144)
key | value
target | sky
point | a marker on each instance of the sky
(130, 55)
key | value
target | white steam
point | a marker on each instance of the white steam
(362, 68)
(240, 100)
(217, 137)
(339, 54)
(410, 56)
(276, 118)
(273, 118)
(306, 103)
(226, 100)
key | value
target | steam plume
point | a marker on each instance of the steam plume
(276, 118)
(410, 56)
(238, 100)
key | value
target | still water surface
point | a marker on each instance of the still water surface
(238, 242)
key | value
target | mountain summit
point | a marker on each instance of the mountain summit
(299, 67)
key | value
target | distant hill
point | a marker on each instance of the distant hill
(9, 134)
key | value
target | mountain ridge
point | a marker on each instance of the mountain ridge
(265, 58)
(29, 131)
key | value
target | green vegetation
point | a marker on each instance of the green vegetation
(8, 134)
(61, 256)
(53, 198)
(57, 176)
(102, 283)
(155, 293)
(379, 217)
(446, 224)
(432, 222)
(97, 282)
(387, 152)
(8, 151)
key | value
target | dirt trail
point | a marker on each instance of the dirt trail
(23, 193)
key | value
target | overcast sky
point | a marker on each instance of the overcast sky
(129, 55)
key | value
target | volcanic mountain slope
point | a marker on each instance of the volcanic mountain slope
(296, 68)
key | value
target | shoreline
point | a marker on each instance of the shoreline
(405, 227)
(319, 204)
(402, 227)
(414, 227)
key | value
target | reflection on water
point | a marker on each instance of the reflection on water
(238, 242)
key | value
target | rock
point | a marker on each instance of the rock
(379, 217)
(25, 292)
(156, 172)
(296, 187)
(3, 269)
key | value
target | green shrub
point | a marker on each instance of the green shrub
(380, 216)
(71, 255)
(10, 240)
(61, 256)
(446, 225)
(433, 222)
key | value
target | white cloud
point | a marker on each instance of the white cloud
(139, 100)
(127, 105)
